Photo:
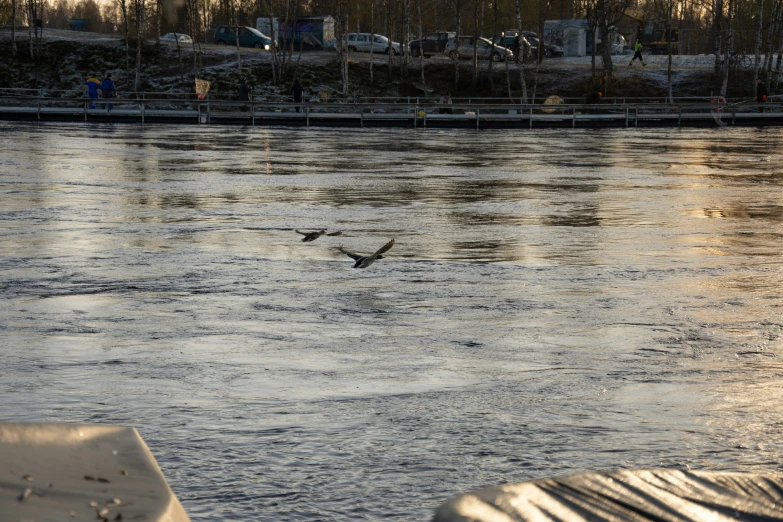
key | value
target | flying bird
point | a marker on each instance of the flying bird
(365, 261)
(312, 236)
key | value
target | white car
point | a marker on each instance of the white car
(486, 49)
(361, 42)
(173, 37)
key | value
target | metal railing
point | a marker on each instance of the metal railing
(418, 112)
(336, 98)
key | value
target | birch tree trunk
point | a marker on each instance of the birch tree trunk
(372, 37)
(140, 6)
(543, 12)
(456, 45)
(669, 76)
(720, 61)
(126, 30)
(193, 19)
(389, 27)
(606, 44)
(13, 28)
(729, 19)
(288, 56)
(30, 23)
(158, 7)
(508, 83)
(275, 27)
(757, 57)
(406, 26)
(236, 34)
(421, 54)
(772, 35)
(494, 35)
(521, 63)
(474, 80)
(341, 26)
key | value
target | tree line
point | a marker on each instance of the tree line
(718, 27)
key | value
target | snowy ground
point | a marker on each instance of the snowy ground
(678, 61)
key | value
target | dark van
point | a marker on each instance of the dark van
(248, 37)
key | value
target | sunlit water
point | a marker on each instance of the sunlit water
(556, 301)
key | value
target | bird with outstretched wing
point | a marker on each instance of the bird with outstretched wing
(365, 261)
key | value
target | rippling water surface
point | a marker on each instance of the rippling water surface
(556, 301)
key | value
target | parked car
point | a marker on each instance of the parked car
(510, 42)
(361, 42)
(486, 50)
(550, 50)
(177, 37)
(434, 43)
(248, 37)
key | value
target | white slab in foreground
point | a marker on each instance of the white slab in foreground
(628, 495)
(62, 472)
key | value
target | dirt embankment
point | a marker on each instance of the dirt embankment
(66, 59)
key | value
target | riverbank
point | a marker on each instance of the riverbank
(67, 58)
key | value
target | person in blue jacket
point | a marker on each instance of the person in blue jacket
(93, 84)
(109, 91)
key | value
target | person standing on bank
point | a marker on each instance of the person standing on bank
(93, 84)
(637, 53)
(244, 90)
(109, 91)
(761, 93)
(298, 91)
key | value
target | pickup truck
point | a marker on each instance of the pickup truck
(434, 43)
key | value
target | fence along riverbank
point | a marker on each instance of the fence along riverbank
(480, 113)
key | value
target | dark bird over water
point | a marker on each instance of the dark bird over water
(312, 236)
(365, 261)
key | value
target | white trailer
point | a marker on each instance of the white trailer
(267, 27)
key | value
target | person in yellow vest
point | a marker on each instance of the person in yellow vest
(93, 87)
(637, 53)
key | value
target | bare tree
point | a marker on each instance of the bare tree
(13, 27)
(457, 6)
(757, 46)
(140, 26)
(474, 80)
(274, 28)
(773, 30)
(521, 63)
(730, 36)
(287, 21)
(194, 21)
(717, 9)
(341, 28)
(543, 12)
(389, 31)
(590, 12)
(126, 32)
(609, 12)
(372, 36)
(421, 55)
(30, 24)
(406, 30)
(494, 35)
(666, 9)
(158, 7)
(236, 34)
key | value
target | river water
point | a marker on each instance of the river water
(556, 301)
